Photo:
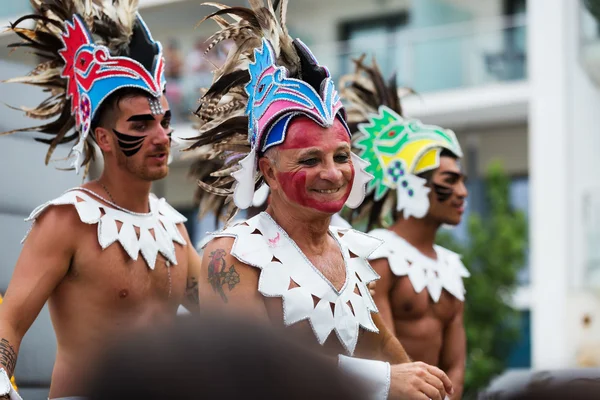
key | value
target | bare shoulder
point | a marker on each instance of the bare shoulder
(227, 282)
(43, 263)
(382, 267)
(219, 243)
(218, 252)
(59, 225)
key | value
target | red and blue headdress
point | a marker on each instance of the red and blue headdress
(266, 81)
(89, 51)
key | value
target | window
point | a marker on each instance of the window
(520, 354)
(376, 37)
(509, 64)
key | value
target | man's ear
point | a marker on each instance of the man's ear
(103, 139)
(266, 168)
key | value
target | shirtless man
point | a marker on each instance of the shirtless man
(418, 184)
(287, 265)
(109, 257)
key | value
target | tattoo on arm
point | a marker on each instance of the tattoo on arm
(219, 275)
(191, 291)
(8, 357)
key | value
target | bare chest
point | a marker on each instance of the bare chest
(122, 279)
(331, 266)
(409, 305)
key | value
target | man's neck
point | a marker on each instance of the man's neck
(420, 233)
(310, 233)
(126, 192)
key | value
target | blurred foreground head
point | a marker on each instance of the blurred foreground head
(216, 358)
(568, 384)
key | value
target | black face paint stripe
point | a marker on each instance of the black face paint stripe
(130, 153)
(443, 192)
(141, 117)
(129, 144)
(127, 138)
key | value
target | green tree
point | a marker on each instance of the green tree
(494, 254)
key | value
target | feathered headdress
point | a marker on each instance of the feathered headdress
(89, 49)
(267, 79)
(398, 149)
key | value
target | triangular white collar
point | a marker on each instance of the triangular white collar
(260, 242)
(162, 220)
(447, 272)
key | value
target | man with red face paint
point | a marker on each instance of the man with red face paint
(418, 186)
(274, 116)
(108, 256)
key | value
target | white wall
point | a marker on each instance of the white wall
(508, 144)
(564, 142)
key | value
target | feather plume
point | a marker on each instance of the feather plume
(110, 21)
(363, 92)
(222, 139)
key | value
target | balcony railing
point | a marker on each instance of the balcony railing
(427, 60)
(443, 57)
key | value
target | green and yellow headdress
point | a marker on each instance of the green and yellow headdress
(399, 149)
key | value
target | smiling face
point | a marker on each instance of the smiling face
(448, 192)
(312, 169)
(139, 140)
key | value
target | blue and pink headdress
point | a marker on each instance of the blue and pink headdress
(89, 50)
(267, 80)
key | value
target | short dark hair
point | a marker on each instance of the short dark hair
(427, 175)
(110, 106)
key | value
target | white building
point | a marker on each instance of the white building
(513, 78)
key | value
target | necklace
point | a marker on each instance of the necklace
(112, 203)
(107, 192)
(168, 265)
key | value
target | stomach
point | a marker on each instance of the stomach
(87, 324)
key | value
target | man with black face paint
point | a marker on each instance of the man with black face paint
(418, 187)
(108, 256)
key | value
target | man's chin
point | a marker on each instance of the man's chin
(157, 174)
(452, 222)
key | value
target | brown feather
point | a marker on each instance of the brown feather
(221, 121)
(111, 23)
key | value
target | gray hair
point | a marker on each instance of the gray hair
(273, 155)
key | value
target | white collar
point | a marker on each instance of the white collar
(447, 272)
(271, 243)
(162, 220)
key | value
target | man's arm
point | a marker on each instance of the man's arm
(454, 352)
(227, 285)
(383, 288)
(191, 299)
(42, 264)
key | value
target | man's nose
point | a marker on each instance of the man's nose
(461, 190)
(331, 172)
(162, 136)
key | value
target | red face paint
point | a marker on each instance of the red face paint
(304, 133)
(303, 183)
